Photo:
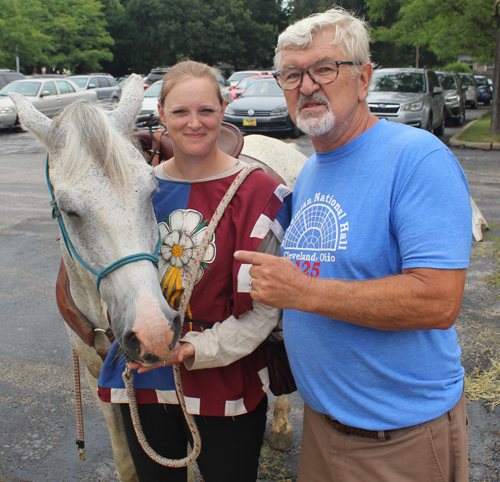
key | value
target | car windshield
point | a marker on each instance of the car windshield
(448, 82)
(243, 84)
(397, 82)
(154, 90)
(263, 89)
(467, 80)
(29, 89)
(80, 81)
(239, 75)
(481, 81)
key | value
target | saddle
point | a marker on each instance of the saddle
(230, 141)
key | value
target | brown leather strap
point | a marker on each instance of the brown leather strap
(75, 319)
(360, 432)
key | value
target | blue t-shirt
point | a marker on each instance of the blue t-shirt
(393, 198)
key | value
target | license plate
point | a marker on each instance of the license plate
(249, 122)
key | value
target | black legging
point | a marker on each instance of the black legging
(230, 447)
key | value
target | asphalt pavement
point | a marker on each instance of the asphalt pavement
(37, 421)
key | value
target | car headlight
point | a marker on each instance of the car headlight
(229, 110)
(280, 110)
(414, 106)
(452, 98)
(7, 110)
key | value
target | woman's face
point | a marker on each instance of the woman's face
(192, 115)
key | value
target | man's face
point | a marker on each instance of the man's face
(323, 108)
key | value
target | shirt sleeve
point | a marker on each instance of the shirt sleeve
(233, 338)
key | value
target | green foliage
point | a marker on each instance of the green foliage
(457, 67)
(56, 34)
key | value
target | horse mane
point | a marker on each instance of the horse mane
(84, 128)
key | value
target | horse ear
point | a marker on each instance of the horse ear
(32, 118)
(131, 101)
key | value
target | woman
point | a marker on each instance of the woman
(224, 373)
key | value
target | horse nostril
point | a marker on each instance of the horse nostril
(131, 343)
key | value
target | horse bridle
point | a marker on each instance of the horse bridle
(56, 214)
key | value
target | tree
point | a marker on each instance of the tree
(447, 28)
(54, 33)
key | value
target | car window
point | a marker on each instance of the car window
(243, 84)
(241, 75)
(29, 89)
(65, 87)
(264, 89)
(398, 82)
(467, 80)
(481, 81)
(80, 81)
(154, 90)
(49, 87)
(103, 82)
(448, 82)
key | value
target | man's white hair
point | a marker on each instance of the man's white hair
(351, 35)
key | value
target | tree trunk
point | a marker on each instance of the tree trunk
(495, 111)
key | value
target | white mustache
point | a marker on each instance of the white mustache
(315, 96)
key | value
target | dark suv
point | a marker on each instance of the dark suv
(7, 76)
(154, 75)
(105, 85)
(454, 96)
(408, 96)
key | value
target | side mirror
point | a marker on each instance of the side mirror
(437, 90)
(44, 93)
(92, 86)
(238, 94)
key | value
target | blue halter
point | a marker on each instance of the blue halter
(56, 214)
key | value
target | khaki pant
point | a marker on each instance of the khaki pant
(435, 451)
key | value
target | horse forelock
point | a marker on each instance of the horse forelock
(86, 135)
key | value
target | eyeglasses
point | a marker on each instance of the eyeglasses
(324, 72)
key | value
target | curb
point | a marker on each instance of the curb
(472, 145)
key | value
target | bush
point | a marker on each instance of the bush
(457, 67)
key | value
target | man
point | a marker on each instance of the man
(372, 274)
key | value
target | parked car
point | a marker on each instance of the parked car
(470, 83)
(261, 108)
(224, 89)
(237, 76)
(150, 102)
(8, 76)
(104, 85)
(484, 92)
(408, 96)
(240, 87)
(155, 75)
(454, 96)
(49, 96)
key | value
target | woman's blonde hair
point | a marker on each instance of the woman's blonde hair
(189, 69)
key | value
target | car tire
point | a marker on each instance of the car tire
(295, 133)
(459, 121)
(439, 130)
(487, 102)
(474, 105)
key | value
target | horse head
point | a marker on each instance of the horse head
(102, 187)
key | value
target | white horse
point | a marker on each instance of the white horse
(102, 188)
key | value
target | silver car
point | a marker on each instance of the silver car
(49, 96)
(105, 85)
(470, 83)
(408, 96)
(454, 96)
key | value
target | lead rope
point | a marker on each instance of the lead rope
(80, 441)
(127, 376)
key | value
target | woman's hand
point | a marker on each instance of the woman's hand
(182, 352)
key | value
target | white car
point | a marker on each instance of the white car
(49, 96)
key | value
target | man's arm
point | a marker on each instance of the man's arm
(417, 299)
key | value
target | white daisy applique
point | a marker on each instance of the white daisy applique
(181, 234)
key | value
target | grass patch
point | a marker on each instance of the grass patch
(479, 131)
(484, 385)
